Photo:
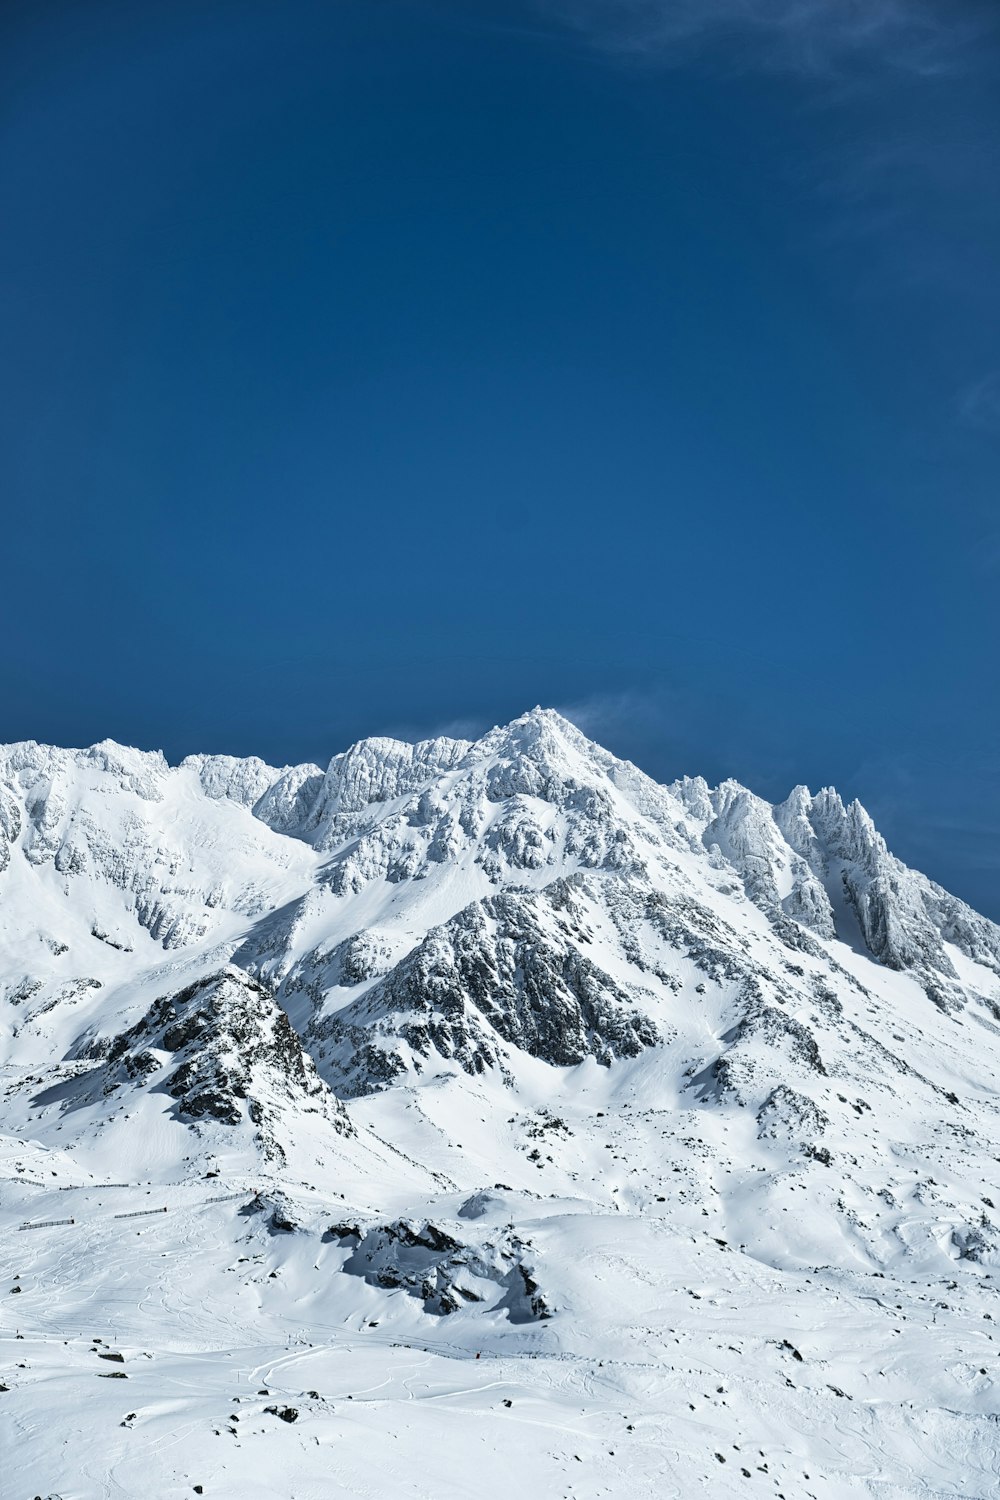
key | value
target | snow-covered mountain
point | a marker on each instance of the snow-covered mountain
(670, 1113)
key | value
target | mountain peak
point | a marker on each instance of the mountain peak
(470, 1020)
(533, 733)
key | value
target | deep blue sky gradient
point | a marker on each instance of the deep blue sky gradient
(390, 367)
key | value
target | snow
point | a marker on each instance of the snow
(752, 1252)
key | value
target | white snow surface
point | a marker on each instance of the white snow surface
(519, 1124)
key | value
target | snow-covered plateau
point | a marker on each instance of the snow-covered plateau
(493, 1121)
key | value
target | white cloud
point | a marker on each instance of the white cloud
(612, 713)
(812, 36)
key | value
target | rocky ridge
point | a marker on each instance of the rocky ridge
(537, 1088)
(471, 908)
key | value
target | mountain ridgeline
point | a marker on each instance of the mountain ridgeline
(672, 1115)
(452, 903)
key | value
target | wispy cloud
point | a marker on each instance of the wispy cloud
(812, 36)
(664, 729)
(625, 716)
(979, 404)
(410, 731)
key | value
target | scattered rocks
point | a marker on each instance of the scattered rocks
(431, 1263)
(285, 1413)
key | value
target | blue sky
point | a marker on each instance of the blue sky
(392, 366)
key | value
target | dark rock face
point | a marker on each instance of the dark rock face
(692, 929)
(284, 1413)
(233, 1056)
(445, 1273)
(609, 901)
(506, 969)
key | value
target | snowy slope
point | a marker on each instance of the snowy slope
(487, 1100)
